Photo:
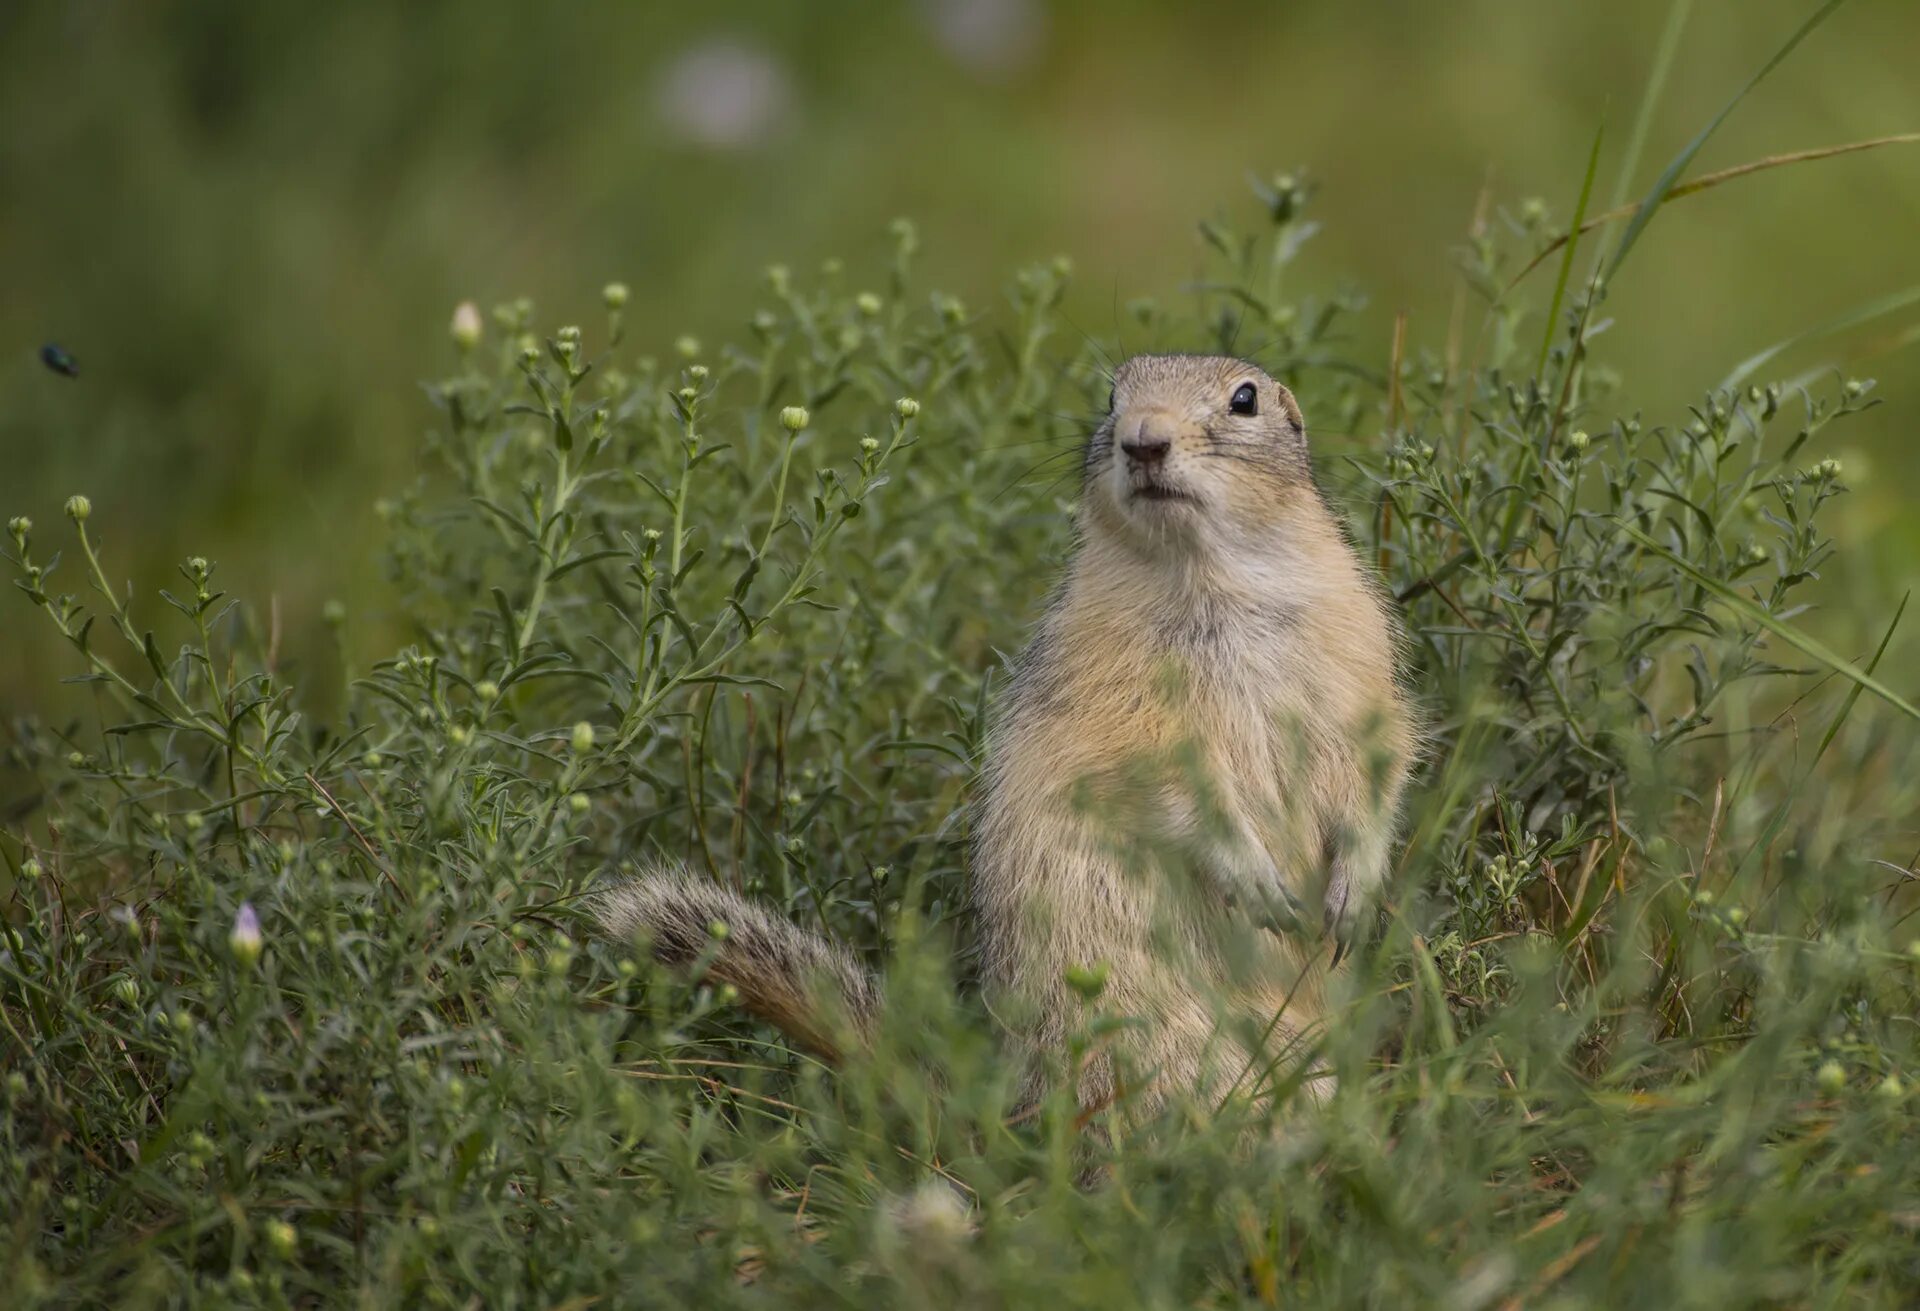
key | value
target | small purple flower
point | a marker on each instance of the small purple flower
(245, 939)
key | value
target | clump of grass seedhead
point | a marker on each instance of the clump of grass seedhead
(292, 1008)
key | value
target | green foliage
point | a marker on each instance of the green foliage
(295, 1012)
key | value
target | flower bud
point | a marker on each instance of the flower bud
(1577, 441)
(778, 279)
(582, 738)
(78, 508)
(867, 303)
(794, 417)
(1831, 1077)
(1891, 1089)
(688, 347)
(578, 803)
(717, 930)
(615, 295)
(906, 407)
(869, 445)
(1828, 468)
(333, 613)
(126, 989)
(245, 941)
(486, 689)
(19, 526)
(1854, 387)
(282, 1238)
(466, 326)
(697, 372)
(31, 869)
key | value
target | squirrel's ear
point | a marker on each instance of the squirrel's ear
(1292, 408)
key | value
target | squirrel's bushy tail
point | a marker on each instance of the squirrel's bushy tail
(806, 985)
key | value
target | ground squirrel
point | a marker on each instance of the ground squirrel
(1193, 777)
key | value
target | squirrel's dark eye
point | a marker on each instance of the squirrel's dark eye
(1245, 399)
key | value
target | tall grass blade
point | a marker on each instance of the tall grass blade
(1708, 181)
(1566, 261)
(1873, 309)
(1663, 55)
(1746, 609)
(1664, 183)
(1785, 808)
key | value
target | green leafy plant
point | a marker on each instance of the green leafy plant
(292, 1011)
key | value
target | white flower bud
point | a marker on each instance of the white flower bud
(466, 326)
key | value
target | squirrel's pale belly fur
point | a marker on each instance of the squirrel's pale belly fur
(1216, 681)
(1198, 763)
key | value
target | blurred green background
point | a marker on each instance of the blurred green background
(249, 222)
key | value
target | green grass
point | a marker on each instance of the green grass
(1635, 1026)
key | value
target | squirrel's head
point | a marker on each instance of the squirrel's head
(1195, 449)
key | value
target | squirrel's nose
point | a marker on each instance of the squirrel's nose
(1146, 450)
(1151, 439)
